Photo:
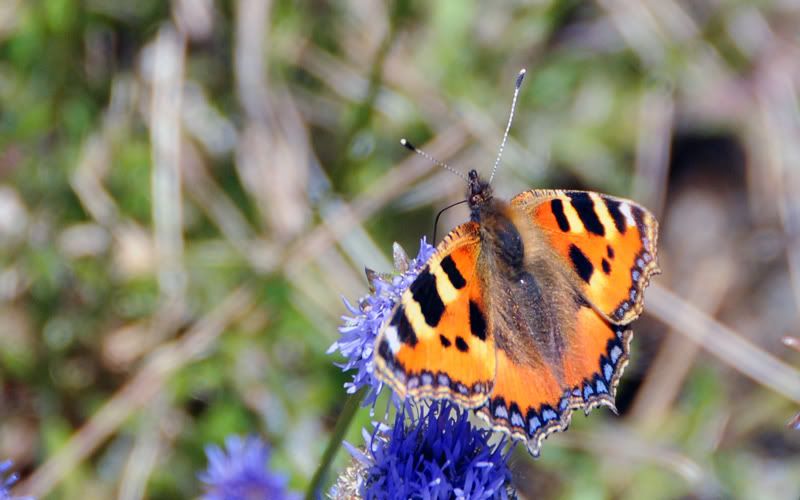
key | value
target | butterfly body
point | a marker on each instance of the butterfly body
(522, 312)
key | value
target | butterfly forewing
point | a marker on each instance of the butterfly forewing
(609, 243)
(437, 343)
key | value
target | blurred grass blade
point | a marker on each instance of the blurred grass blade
(723, 342)
(349, 411)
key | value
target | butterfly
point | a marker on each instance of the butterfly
(523, 313)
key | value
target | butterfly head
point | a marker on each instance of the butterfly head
(480, 192)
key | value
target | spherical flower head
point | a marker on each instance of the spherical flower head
(440, 455)
(361, 326)
(239, 472)
(7, 481)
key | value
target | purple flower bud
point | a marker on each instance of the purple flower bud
(6, 482)
(239, 472)
(361, 326)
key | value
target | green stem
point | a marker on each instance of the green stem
(351, 406)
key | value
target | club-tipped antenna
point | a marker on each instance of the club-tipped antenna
(431, 159)
(517, 85)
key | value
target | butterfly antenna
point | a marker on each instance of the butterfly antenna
(517, 85)
(436, 221)
(431, 159)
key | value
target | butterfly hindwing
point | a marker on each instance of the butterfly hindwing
(531, 401)
(597, 357)
(610, 244)
(438, 342)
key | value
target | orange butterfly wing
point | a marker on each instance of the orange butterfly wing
(437, 343)
(531, 401)
(610, 255)
(609, 242)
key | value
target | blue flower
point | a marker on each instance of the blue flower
(362, 325)
(440, 455)
(8, 481)
(240, 472)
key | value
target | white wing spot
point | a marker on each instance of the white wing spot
(626, 211)
(393, 339)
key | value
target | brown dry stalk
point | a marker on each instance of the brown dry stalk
(724, 343)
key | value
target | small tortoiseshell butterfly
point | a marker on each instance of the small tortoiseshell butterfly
(524, 312)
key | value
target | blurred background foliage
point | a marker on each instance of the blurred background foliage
(187, 189)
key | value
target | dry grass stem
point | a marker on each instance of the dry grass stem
(722, 342)
(147, 449)
(165, 136)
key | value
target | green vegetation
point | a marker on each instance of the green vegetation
(187, 189)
